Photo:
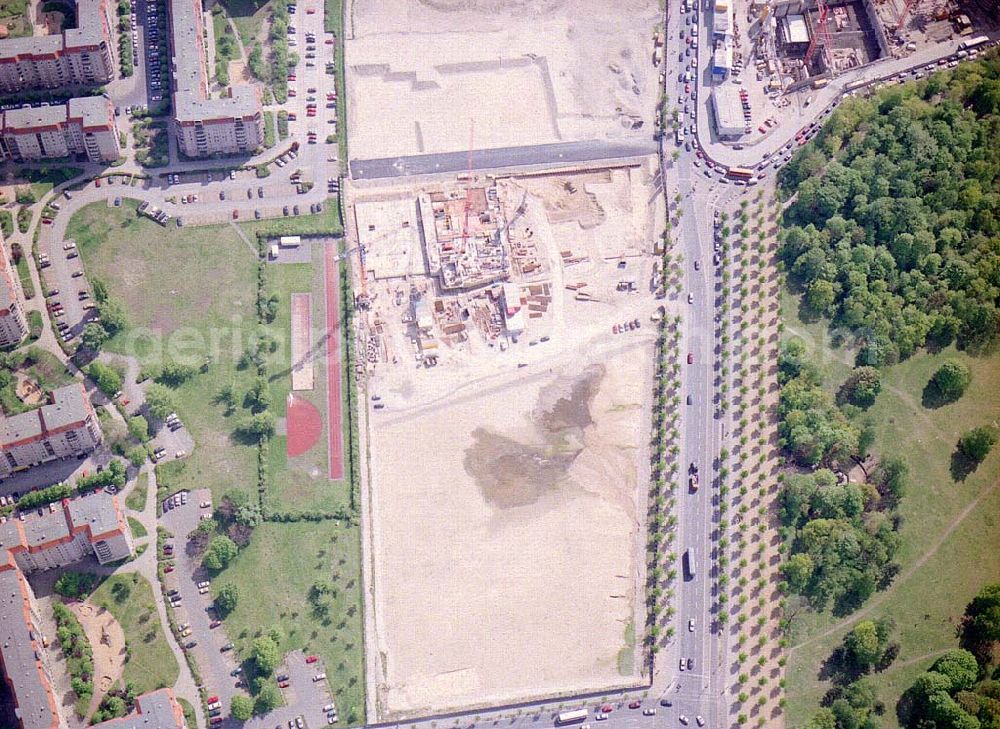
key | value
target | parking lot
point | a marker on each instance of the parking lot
(307, 700)
(192, 605)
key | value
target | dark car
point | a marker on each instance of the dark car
(690, 664)
(191, 644)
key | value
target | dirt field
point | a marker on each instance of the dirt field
(108, 643)
(426, 76)
(507, 534)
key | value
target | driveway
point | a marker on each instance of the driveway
(196, 609)
(304, 697)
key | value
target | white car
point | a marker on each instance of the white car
(203, 584)
(683, 719)
(701, 722)
(691, 625)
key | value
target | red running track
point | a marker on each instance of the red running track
(334, 396)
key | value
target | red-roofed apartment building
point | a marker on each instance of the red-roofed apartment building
(65, 427)
(13, 324)
(55, 536)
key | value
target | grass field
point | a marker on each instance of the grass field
(950, 540)
(136, 500)
(151, 664)
(188, 285)
(189, 295)
(138, 530)
(281, 564)
(248, 16)
(334, 23)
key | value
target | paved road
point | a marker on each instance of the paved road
(503, 157)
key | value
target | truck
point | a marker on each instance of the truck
(569, 717)
(693, 478)
(689, 564)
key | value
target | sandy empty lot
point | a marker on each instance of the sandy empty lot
(507, 531)
(425, 76)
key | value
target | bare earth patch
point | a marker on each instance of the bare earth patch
(507, 534)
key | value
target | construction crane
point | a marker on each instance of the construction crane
(908, 7)
(468, 192)
(819, 32)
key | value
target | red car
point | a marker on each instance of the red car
(635, 704)
(168, 569)
(215, 624)
(212, 699)
(607, 709)
(236, 215)
(215, 720)
(283, 684)
(97, 182)
(690, 358)
(329, 41)
(687, 88)
(312, 659)
(291, 77)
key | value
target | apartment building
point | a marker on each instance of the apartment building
(81, 56)
(66, 426)
(85, 126)
(56, 536)
(206, 126)
(155, 710)
(13, 323)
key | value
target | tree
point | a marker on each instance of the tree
(227, 599)
(863, 386)
(138, 428)
(264, 653)
(822, 719)
(268, 699)
(959, 666)
(981, 625)
(951, 380)
(975, 444)
(93, 336)
(175, 375)
(107, 378)
(221, 551)
(112, 313)
(866, 644)
(241, 707)
(159, 400)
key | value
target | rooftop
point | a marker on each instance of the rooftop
(21, 661)
(190, 84)
(728, 109)
(90, 111)
(7, 285)
(796, 30)
(155, 710)
(89, 33)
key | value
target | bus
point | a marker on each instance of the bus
(689, 566)
(968, 45)
(740, 173)
(569, 717)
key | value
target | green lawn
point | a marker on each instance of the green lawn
(136, 500)
(275, 574)
(950, 541)
(41, 366)
(187, 291)
(190, 298)
(248, 16)
(334, 22)
(150, 664)
(138, 530)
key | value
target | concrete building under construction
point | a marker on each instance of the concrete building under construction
(818, 40)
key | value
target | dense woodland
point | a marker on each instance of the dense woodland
(895, 230)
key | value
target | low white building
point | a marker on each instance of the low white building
(727, 110)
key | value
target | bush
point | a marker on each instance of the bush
(106, 377)
(114, 475)
(951, 380)
(159, 400)
(57, 492)
(976, 444)
(221, 551)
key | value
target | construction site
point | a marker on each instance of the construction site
(507, 326)
(816, 41)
